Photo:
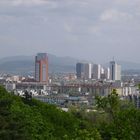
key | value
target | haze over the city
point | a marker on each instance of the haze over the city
(93, 30)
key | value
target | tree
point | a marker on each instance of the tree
(123, 122)
(109, 104)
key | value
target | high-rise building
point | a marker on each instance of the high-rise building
(107, 73)
(41, 68)
(79, 70)
(96, 71)
(83, 70)
(87, 70)
(115, 71)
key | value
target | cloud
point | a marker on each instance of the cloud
(121, 2)
(24, 2)
(7, 40)
(78, 24)
(94, 29)
(7, 18)
(67, 27)
(114, 15)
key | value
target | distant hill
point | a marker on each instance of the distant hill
(25, 64)
(129, 65)
(126, 65)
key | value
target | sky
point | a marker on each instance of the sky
(95, 30)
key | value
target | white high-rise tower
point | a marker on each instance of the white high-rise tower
(115, 71)
(87, 70)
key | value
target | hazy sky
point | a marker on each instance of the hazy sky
(89, 29)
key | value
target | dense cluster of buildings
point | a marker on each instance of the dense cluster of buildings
(78, 88)
(83, 70)
(97, 72)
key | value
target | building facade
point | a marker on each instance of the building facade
(96, 71)
(87, 70)
(83, 70)
(79, 70)
(115, 71)
(41, 67)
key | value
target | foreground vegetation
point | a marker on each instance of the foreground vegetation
(23, 119)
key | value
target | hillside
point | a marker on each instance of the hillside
(29, 119)
(25, 64)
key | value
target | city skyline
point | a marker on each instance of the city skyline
(97, 30)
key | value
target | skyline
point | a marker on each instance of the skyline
(95, 30)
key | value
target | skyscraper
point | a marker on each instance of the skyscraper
(79, 70)
(96, 71)
(41, 67)
(107, 73)
(115, 71)
(83, 70)
(87, 70)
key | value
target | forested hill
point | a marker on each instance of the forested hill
(22, 119)
(29, 119)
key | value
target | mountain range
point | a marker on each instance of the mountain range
(25, 65)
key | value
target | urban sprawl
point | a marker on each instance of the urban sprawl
(72, 89)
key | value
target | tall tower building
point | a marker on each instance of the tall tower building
(83, 70)
(96, 71)
(87, 70)
(79, 70)
(41, 68)
(115, 71)
(107, 73)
